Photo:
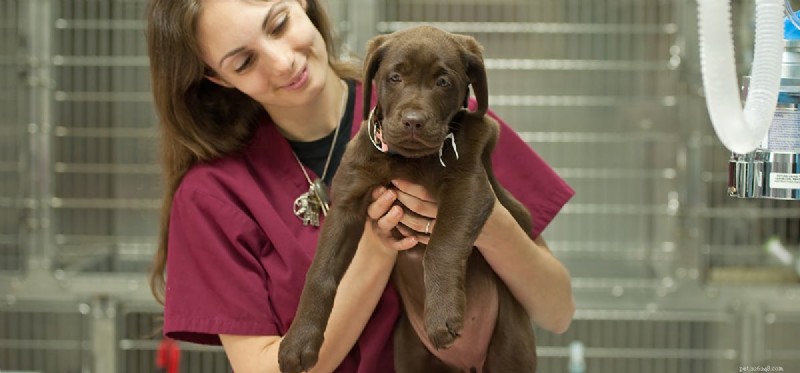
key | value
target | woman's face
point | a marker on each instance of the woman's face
(269, 50)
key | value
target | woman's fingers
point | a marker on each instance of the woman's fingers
(383, 199)
(405, 244)
(418, 223)
(413, 189)
(405, 231)
(390, 221)
(386, 217)
(416, 199)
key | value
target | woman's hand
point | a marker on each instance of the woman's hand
(421, 210)
(420, 218)
(517, 260)
(383, 217)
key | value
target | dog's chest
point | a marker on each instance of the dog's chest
(480, 317)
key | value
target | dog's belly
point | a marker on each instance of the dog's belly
(470, 349)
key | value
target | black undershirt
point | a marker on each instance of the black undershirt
(314, 154)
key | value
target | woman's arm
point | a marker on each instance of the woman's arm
(536, 278)
(358, 294)
(356, 298)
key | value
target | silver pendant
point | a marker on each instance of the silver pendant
(318, 189)
(310, 204)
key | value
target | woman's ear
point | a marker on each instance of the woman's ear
(304, 4)
(218, 81)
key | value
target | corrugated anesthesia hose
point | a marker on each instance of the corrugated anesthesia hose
(741, 131)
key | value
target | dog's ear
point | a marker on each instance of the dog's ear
(376, 48)
(472, 56)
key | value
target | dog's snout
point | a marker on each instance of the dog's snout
(413, 120)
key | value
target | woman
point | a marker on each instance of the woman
(254, 106)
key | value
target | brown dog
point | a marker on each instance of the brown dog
(459, 316)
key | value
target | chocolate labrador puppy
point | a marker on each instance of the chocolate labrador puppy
(459, 316)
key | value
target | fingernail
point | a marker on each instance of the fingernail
(388, 195)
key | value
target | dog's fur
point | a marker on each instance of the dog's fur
(459, 316)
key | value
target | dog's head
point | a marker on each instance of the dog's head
(422, 77)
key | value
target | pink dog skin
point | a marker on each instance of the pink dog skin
(470, 349)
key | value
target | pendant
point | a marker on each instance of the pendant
(310, 204)
(306, 210)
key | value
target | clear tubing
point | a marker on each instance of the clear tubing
(741, 131)
(791, 14)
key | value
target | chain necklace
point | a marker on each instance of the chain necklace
(309, 205)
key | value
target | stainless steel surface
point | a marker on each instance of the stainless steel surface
(771, 171)
(665, 265)
(791, 59)
(766, 174)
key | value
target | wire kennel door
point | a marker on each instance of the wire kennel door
(15, 124)
(603, 90)
(106, 184)
(593, 87)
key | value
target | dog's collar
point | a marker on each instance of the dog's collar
(375, 135)
(374, 131)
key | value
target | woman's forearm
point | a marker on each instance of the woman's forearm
(356, 298)
(533, 275)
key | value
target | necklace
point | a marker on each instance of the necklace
(309, 205)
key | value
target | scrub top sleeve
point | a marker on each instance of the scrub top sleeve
(528, 177)
(216, 283)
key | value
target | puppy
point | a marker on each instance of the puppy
(459, 316)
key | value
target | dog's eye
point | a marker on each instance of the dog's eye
(442, 82)
(395, 77)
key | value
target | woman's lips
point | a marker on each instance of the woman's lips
(298, 81)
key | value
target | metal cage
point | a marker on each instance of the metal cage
(669, 273)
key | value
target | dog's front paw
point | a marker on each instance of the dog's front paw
(299, 349)
(444, 323)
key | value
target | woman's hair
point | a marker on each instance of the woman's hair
(200, 120)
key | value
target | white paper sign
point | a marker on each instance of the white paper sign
(784, 181)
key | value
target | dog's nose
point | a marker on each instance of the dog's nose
(413, 120)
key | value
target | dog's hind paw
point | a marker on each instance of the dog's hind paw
(444, 333)
(299, 351)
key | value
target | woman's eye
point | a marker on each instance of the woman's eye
(280, 24)
(245, 64)
(395, 77)
(442, 82)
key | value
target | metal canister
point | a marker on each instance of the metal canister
(773, 170)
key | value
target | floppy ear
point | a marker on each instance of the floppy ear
(376, 48)
(472, 56)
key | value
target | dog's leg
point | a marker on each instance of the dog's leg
(513, 322)
(463, 209)
(517, 210)
(411, 356)
(513, 344)
(514, 207)
(337, 245)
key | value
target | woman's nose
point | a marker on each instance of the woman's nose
(280, 58)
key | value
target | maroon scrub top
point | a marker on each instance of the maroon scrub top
(238, 255)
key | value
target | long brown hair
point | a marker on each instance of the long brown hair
(200, 120)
